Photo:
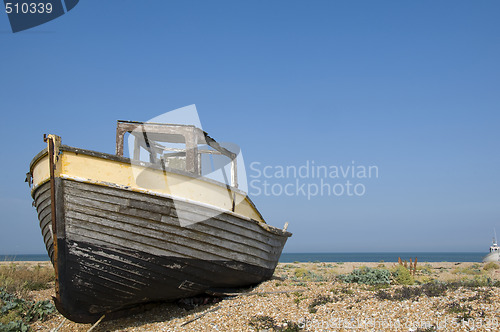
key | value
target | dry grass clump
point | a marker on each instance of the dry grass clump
(22, 278)
(267, 323)
(474, 269)
(491, 266)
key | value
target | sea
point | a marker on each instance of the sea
(333, 257)
(383, 257)
(31, 258)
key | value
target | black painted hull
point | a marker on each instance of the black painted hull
(117, 249)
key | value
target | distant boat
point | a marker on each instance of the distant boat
(494, 255)
(122, 232)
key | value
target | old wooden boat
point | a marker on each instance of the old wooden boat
(122, 232)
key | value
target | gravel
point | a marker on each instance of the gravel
(327, 305)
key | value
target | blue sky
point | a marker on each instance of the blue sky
(411, 87)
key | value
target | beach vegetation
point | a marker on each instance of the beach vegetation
(383, 295)
(464, 317)
(300, 272)
(289, 326)
(17, 313)
(482, 295)
(435, 289)
(478, 281)
(426, 329)
(263, 322)
(407, 293)
(367, 275)
(400, 294)
(303, 274)
(425, 269)
(424, 280)
(412, 292)
(491, 266)
(456, 308)
(320, 300)
(298, 297)
(22, 278)
(347, 291)
(402, 276)
(297, 301)
(470, 270)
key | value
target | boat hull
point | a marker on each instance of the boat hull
(118, 248)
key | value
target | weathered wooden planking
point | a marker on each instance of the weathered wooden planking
(42, 203)
(252, 225)
(123, 206)
(222, 229)
(255, 234)
(164, 232)
(170, 224)
(153, 242)
(148, 269)
(106, 278)
(204, 230)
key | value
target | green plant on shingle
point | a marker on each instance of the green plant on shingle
(383, 295)
(465, 317)
(402, 276)
(368, 276)
(302, 274)
(16, 313)
(262, 322)
(491, 266)
(482, 295)
(456, 308)
(267, 323)
(426, 269)
(434, 289)
(14, 326)
(320, 300)
(426, 329)
(39, 311)
(472, 270)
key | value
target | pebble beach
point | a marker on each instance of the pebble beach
(310, 297)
